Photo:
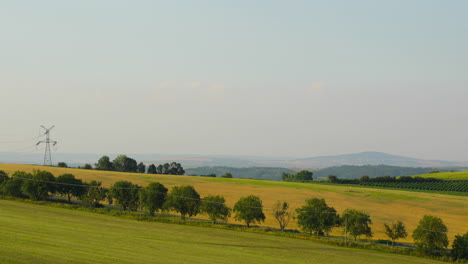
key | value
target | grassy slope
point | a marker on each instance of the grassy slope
(40, 234)
(382, 205)
(462, 175)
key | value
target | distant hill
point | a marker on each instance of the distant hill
(253, 172)
(355, 172)
(368, 158)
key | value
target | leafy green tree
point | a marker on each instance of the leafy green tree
(125, 194)
(141, 168)
(356, 223)
(3, 177)
(226, 175)
(125, 164)
(68, 185)
(364, 178)
(104, 163)
(151, 169)
(316, 217)
(173, 168)
(460, 247)
(184, 200)
(94, 194)
(87, 166)
(302, 176)
(215, 207)
(12, 187)
(282, 214)
(153, 197)
(430, 236)
(39, 186)
(249, 209)
(332, 179)
(62, 165)
(395, 231)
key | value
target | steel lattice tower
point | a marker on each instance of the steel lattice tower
(47, 141)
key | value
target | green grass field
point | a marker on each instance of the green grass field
(462, 175)
(383, 205)
(32, 233)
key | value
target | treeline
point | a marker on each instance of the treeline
(366, 179)
(355, 172)
(315, 217)
(302, 176)
(266, 173)
(122, 163)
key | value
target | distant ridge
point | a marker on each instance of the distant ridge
(369, 158)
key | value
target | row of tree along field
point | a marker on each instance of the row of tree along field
(315, 217)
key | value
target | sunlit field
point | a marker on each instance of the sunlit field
(462, 175)
(32, 233)
(384, 206)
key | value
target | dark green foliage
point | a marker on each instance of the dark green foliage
(215, 207)
(173, 168)
(94, 194)
(430, 236)
(151, 169)
(3, 177)
(460, 247)
(141, 168)
(153, 197)
(423, 184)
(302, 176)
(184, 200)
(266, 173)
(316, 217)
(332, 179)
(87, 166)
(226, 175)
(39, 186)
(395, 231)
(68, 185)
(62, 165)
(13, 186)
(125, 164)
(104, 163)
(249, 209)
(356, 223)
(282, 214)
(125, 194)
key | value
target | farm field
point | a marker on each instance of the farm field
(384, 206)
(32, 233)
(461, 175)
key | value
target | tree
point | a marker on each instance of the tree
(215, 208)
(316, 217)
(430, 236)
(249, 209)
(184, 200)
(395, 231)
(151, 169)
(174, 169)
(304, 176)
(356, 223)
(125, 164)
(125, 194)
(364, 178)
(69, 186)
(460, 247)
(3, 177)
(153, 197)
(332, 179)
(282, 214)
(141, 168)
(39, 185)
(94, 195)
(226, 175)
(62, 165)
(12, 187)
(104, 163)
(87, 166)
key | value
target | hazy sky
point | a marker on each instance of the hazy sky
(274, 78)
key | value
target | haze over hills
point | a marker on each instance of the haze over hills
(192, 161)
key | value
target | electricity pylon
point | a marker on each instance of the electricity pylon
(47, 141)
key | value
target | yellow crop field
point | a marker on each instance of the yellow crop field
(459, 175)
(384, 206)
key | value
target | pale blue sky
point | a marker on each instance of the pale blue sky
(276, 78)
